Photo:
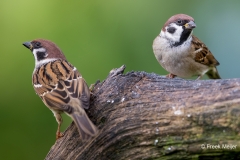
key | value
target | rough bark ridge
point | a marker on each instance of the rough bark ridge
(147, 116)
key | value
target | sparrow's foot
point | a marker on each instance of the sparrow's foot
(59, 135)
(170, 75)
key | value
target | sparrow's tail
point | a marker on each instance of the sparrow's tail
(213, 74)
(85, 126)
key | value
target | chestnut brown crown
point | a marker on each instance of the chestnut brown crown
(179, 19)
(44, 49)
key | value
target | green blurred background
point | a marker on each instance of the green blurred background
(95, 36)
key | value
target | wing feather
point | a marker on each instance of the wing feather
(202, 54)
(58, 83)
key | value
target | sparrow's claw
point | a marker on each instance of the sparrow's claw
(170, 75)
(59, 135)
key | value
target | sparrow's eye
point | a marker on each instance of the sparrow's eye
(179, 21)
(37, 45)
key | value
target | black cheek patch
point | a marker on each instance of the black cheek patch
(41, 55)
(171, 30)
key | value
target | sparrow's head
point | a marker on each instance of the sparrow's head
(178, 29)
(44, 51)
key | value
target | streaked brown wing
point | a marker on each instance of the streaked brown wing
(202, 54)
(77, 88)
(57, 83)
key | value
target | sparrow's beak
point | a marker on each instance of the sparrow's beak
(190, 25)
(28, 45)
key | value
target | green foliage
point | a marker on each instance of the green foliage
(95, 36)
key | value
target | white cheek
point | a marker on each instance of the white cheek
(38, 50)
(164, 46)
(35, 51)
(174, 37)
(41, 62)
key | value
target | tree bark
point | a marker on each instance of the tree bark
(146, 116)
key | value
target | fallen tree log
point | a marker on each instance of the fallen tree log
(147, 116)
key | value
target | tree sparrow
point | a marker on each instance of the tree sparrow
(181, 53)
(60, 86)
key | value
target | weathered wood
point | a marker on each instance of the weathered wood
(147, 116)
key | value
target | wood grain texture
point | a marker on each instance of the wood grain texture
(147, 116)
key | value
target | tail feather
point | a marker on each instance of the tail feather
(213, 74)
(85, 126)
